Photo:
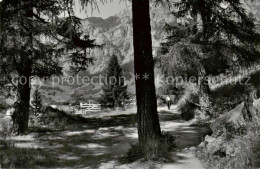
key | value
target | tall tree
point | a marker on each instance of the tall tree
(147, 116)
(33, 38)
(212, 37)
(37, 101)
(114, 89)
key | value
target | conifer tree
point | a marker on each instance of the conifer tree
(37, 101)
(34, 36)
(114, 89)
(147, 117)
(211, 37)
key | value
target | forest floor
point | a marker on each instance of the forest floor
(100, 146)
(110, 113)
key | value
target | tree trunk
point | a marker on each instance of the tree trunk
(204, 95)
(147, 116)
(22, 107)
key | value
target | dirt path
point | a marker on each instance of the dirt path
(98, 144)
(186, 161)
(184, 158)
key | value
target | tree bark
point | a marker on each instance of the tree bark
(147, 116)
(204, 94)
(22, 107)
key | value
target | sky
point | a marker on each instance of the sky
(105, 10)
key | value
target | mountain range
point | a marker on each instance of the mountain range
(115, 34)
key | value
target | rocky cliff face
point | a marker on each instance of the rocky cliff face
(116, 33)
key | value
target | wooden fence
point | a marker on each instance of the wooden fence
(83, 108)
(87, 107)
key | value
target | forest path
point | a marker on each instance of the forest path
(100, 143)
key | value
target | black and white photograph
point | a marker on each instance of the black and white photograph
(130, 84)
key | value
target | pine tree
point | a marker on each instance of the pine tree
(208, 38)
(147, 116)
(114, 89)
(37, 101)
(34, 36)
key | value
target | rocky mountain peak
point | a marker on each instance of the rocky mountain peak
(115, 33)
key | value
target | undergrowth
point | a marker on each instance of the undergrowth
(155, 150)
(188, 108)
(12, 157)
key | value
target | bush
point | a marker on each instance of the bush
(178, 92)
(12, 157)
(156, 150)
(228, 96)
(54, 119)
(188, 108)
